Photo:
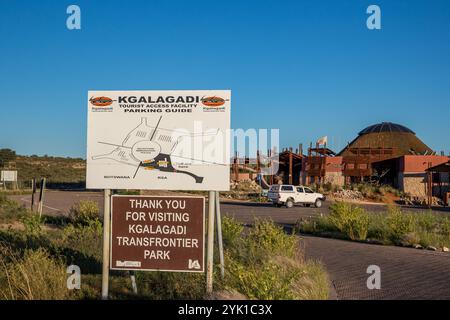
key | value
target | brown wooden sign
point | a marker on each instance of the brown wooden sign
(157, 233)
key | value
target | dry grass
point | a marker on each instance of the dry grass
(34, 276)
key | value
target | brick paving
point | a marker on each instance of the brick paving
(405, 273)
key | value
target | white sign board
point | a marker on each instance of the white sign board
(158, 140)
(8, 175)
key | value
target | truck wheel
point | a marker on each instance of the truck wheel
(289, 203)
(318, 203)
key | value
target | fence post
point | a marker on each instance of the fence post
(33, 191)
(41, 197)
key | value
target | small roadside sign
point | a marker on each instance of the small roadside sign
(156, 233)
(8, 175)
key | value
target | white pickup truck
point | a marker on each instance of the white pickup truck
(289, 195)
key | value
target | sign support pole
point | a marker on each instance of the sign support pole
(219, 235)
(106, 234)
(133, 282)
(210, 252)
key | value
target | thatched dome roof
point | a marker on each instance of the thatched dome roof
(401, 139)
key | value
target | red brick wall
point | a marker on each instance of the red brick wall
(334, 164)
(410, 164)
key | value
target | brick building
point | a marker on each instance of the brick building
(387, 153)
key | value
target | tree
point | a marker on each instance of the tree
(7, 155)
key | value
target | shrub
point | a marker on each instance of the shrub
(85, 244)
(445, 228)
(315, 226)
(266, 280)
(395, 227)
(84, 212)
(34, 276)
(278, 277)
(426, 221)
(401, 224)
(313, 283)
(32, 223)
(350, 219)
(266, 264)
(231, 231)
(10, 210)
(379, 228)
(267, 238)
(169, 285)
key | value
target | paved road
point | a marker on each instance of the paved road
(59, 202)
(405, 273)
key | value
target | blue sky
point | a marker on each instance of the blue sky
(310, 68)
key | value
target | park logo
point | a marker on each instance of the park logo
(213, 101)
(101, 101)
(213, 104)
(101, 104)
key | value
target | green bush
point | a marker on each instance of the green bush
(379, 228)
(401, 224)
(10, 210)
(35, 276)
(170, 286)
(313, 283)
(268, 239)
(84, 212)
(84, 239)
(231, 230)
(427, 221)
(268, 280)
(393, 227)
(374, 191)
(265, 263)
(350, 219)
(445, 228)
(32, 223)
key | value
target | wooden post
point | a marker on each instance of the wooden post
(236, 168)
(33, 191)
(271, 167)
(257, 162)
(290, 167)
(41, 197)
(430, 186)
